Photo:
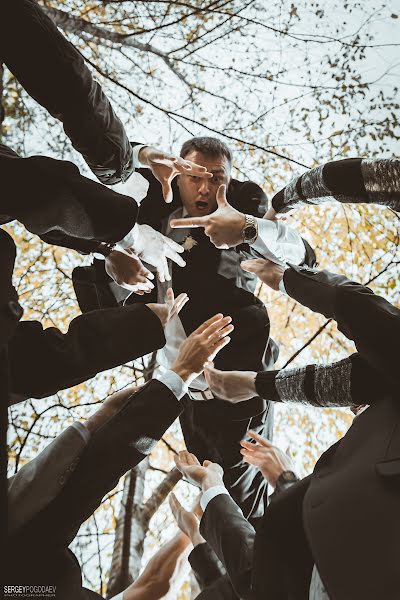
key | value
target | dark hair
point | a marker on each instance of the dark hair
(206, 145)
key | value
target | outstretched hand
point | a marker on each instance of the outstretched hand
(128, 271)
(223, 227)
(171, 308)
(155, 248)
(186, 520)
(202, 346)
(269, 272)
(165, 167)
(233, 386)
(206, 475)
(270, 459)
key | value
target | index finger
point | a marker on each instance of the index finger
(189, 222)
(259, 439)
(187, 166)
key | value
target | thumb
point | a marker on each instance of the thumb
(251, 266)
(169, 296)
(221, 197)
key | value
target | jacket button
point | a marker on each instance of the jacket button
(61, 480)
(15, 309)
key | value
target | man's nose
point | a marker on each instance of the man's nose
(204, 187)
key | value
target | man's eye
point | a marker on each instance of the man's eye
(194, 178)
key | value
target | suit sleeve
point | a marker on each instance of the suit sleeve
(364, 317)
(127, 437)
(54, 73)
(231, 537)
(44, 361)
(53, 200)
(353, 180)
(205, 565)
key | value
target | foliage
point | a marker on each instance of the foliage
(288, 86)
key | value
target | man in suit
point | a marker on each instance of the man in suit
(214, 282)
(297, 549)
(276, 467)
(117, 437)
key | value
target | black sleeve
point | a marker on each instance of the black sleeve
(54, 73)
(231, 537)
(362, 316)
(247, 197)
(53, 200)
(205, 565)
(353, 180)
(119, 445)
(44, 361)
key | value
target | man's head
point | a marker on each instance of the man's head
(197, 193)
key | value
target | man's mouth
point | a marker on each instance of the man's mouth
(201, 205)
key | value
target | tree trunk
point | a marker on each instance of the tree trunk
(131, 506)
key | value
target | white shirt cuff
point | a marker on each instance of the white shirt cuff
(135, 155)
(129, 240)
(210, 494)
(177, 386)
(278, 242)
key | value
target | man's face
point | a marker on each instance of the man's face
(197, 193)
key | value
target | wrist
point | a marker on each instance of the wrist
(249, 231)
(196, 538)
(211, 480)
(143, 155)
(183, 372)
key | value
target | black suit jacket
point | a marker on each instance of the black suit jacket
(129, 435)
(344, 517)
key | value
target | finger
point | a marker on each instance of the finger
(185, 166)
(190, 222)
(143, 279)
(248, 445)
(174, 245)
(221, 333)
(250, 459)
(135, 287)
(180, 302)
(218, 346)
(178, 463)
(193, 460)
(169, 296)
(215, 319)
(206, 463)
(252, 266)
(164, 267)
(146, 272)
(263, 441)
(166, 189)
(215, 327)
(161, 273)
(175, 257)
(221, 196)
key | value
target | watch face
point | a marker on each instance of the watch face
(250, 232)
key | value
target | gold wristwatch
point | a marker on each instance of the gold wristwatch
(250, 230)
